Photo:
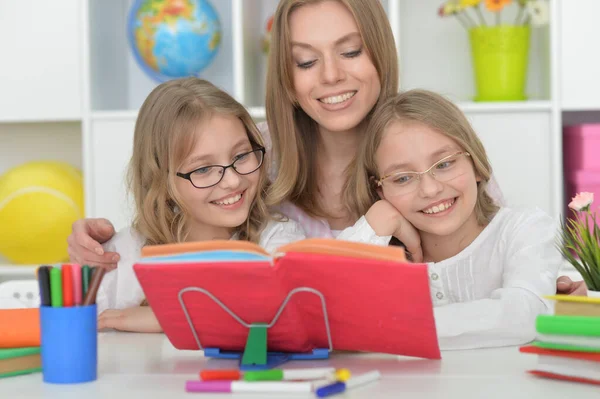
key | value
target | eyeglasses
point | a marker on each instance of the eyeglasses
(402, 183)
(208, 176)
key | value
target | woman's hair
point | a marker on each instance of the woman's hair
(164, 137)
(293, 132)
(441, 115)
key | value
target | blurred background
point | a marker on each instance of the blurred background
(73, 74)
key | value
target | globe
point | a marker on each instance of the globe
(173, 38)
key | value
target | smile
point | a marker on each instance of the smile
(440, 207)
(338, 99)
(230, 200)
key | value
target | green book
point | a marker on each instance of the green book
(565, 347)
(568, 325)
(19, 361)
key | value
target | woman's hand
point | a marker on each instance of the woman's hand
(385, 220)
(85, 243)
(134, 319)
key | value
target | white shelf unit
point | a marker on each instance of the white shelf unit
(81, 104)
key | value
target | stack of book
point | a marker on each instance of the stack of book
(568, 342)
(19, 342)
(18, 361)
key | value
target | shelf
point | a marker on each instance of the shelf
(466, 106)
(516, 106)
(18, 271)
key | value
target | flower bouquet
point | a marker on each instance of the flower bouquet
(499, 46)
(580, 241)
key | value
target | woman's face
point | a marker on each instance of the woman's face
(335, 81)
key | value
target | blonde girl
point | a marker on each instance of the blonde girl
(196, 173)
(421, 175)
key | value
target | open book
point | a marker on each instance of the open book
(355, 296)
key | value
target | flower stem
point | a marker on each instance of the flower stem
(461, 21)
(498, 18)
(480, 14)
(470, 20)
(519, 15)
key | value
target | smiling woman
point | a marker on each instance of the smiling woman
(320, 98)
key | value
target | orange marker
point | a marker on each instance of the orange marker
(67, 285)
(220, 375)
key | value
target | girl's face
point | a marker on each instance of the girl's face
(335, 81)
(440, 205)
(220, 140)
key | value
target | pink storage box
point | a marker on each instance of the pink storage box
(578, 181)
(581, 147)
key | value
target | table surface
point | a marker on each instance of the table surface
(147, 365)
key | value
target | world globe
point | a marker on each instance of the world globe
(173, 38)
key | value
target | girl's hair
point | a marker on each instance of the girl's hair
(438, 113)
(294, 133)
(164, 137)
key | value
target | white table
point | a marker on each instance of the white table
(147, 366)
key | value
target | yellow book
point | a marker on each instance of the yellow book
(572, 305)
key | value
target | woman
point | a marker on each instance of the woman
(340, 63)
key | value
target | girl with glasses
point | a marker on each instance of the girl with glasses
(197, 173)
(421, 175)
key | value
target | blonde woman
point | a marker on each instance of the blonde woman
(331, 63)
(490, 266)
(196, 174)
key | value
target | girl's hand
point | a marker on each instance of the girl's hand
(134, 319)
(385, 220)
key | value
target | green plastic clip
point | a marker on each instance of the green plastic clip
(255, 352)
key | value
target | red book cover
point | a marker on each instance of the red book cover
(372, 305)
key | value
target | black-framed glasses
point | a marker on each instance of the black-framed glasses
(211, 175)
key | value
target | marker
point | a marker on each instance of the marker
(67, 285)
(353, 382)
(242, 386)
(56, 287)
(85, 279)
(220, 375)
(44, 282)
(77, 288)
(287, 375)
(90, 296)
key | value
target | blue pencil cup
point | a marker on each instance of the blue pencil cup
(69, 339)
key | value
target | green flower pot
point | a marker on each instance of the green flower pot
(500, 56)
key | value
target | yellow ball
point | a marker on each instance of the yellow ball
(39, 201)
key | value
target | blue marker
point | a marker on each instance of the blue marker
(353, 382)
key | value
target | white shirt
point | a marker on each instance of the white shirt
(120, 288)
(491, 292)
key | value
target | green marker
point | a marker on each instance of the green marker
(56, 287)
(85, 279)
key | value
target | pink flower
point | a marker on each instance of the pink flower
(582, 201)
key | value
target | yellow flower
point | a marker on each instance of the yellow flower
(449, 8)
(496, 5)
(469, 3)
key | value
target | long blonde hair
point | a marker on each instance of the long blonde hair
(293, 132)
(441, 115)
(163, 139)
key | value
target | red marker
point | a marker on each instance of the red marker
(220, 375)
(67, 285)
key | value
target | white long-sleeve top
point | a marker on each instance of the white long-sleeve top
(120, 288)
(491, 292)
